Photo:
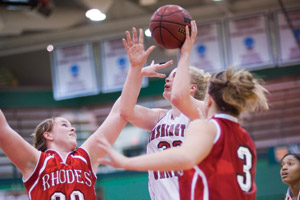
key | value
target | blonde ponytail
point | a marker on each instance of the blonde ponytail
(238, 91)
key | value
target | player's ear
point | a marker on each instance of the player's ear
(193, 88)
(209, 100)
(48, 136)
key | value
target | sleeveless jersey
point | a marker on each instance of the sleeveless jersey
(167, 133)
(289, 197)
(55, 178)
(228, 171)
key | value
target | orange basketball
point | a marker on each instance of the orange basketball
(167, 26)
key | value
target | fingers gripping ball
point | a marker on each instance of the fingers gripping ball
(167, 26)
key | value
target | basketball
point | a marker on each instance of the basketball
(167, 26)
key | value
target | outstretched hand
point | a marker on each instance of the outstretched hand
(135, 48)
(116, 159)
(151, 70)
(189, 39)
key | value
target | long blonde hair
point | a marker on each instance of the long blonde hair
(201, 79)
(39, 139)
(237, 91)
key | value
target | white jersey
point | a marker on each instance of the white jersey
(167, 133)
(289, 196)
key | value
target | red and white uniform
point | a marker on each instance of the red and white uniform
(55, 178)
(289, 196)
(167, 133)
(228, 171)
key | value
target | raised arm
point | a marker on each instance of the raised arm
(110, 129)
(117, 118)
(196, 147)
(180, 96)
(140, 116)
(23, 155)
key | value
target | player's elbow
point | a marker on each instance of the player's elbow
(126, 114)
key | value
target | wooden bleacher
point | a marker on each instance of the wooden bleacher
(281, 124)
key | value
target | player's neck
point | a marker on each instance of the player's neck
(62, 151)
(295, 189)
(211, 112)
(175, 112)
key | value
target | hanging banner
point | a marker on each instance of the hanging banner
(248, 42)
(288, 48)
(207, 52)
(115, 64)
(74, 72)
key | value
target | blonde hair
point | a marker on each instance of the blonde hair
(201, 79)
(237, 91)
(39, 139)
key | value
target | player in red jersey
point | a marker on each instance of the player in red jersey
(55, 169)
(290, 175)
(218, 155)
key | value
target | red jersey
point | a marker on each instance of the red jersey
(56, 178)
(228, 171)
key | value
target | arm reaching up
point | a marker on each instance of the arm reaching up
(140, 116)
(19, 151)
(188, 83)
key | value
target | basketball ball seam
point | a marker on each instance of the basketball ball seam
(162, 15)
(160, 21)
(161, 27)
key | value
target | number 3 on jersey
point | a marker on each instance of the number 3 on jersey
(245, 181)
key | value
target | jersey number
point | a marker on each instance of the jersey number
(75, 195)
(245, 181)
(166, 145)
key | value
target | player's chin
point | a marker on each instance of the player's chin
(285, 179)
(73, 144)
(167, 95)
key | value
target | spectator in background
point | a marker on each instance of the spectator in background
(290, 175)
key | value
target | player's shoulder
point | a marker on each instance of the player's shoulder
(160, 112)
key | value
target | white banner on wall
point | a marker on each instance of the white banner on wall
(288, 49)
(207, 53)
(74, 72)
(248, 42)
(115, 64)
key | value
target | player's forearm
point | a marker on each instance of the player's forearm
(130, 92)
(4, 127)
(181, 84)
(2, 120)
(171, 159)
